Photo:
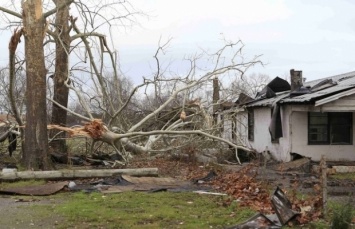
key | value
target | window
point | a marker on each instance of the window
(333, 128)
(251, 125)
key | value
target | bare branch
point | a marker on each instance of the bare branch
(13, 13)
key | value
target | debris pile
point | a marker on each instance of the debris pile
(310, 207)
(244, 188)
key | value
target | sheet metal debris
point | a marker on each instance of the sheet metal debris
(124, 183)
(36, 190)
(282, 206)
(257, 221)
(284, 213)
(130, 183)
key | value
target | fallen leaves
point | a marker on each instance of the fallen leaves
(244, 188)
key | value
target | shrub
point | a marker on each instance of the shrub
(342, 216)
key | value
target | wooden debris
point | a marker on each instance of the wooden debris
(93, 129)
(60, 174)
(300, 164)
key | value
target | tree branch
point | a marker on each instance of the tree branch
(13, 13)
(53, 11)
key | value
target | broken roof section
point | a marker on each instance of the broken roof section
(279, 90)
(271, 89)
(324, 87)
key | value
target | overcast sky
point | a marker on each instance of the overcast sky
(315, 36)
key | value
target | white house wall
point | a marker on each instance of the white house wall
(262, 139)
(295, 132)
(299, 143)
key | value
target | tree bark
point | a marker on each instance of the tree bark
(61, 91)
(35, 154)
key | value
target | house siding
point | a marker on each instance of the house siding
(294, 120)
(262, 139)
(295, 135)
(344, 104)
(299, 143)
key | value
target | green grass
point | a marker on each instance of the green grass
(344, 176)
(341, 214)
(149, 210)
(22, 183)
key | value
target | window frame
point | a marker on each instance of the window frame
(331, 123)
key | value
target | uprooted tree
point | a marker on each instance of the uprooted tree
(177, 113)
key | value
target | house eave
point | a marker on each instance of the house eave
(335, 97)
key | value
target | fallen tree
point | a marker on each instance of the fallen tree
(131, 139)
(65, 174)
(136, 121)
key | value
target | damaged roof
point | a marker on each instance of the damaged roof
(308, 93)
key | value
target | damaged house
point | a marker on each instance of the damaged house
(310, 119)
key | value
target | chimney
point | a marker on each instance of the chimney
(296, 79)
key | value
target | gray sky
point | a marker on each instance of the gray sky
(316, 36)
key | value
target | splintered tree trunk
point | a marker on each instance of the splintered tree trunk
(61, 92)
(35, 154)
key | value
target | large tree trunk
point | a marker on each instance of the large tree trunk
(35, 154)
(61, 92)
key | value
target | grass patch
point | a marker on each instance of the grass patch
(344, 176)
(22, 183)
(342, 214)
(150, 210)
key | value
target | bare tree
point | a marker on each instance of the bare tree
(247, 84)
(187, 121)
(93, 16)
(136, 139)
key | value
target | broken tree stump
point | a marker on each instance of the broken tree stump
(60, 174)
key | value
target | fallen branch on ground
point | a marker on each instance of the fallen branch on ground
(60, 174)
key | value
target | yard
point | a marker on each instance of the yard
(171, 209)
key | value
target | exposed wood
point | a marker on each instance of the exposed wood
(14, 41)
(60, 174)
(210, 193)
(300, 164)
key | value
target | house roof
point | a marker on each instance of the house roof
(341, 83)
(311, 91)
